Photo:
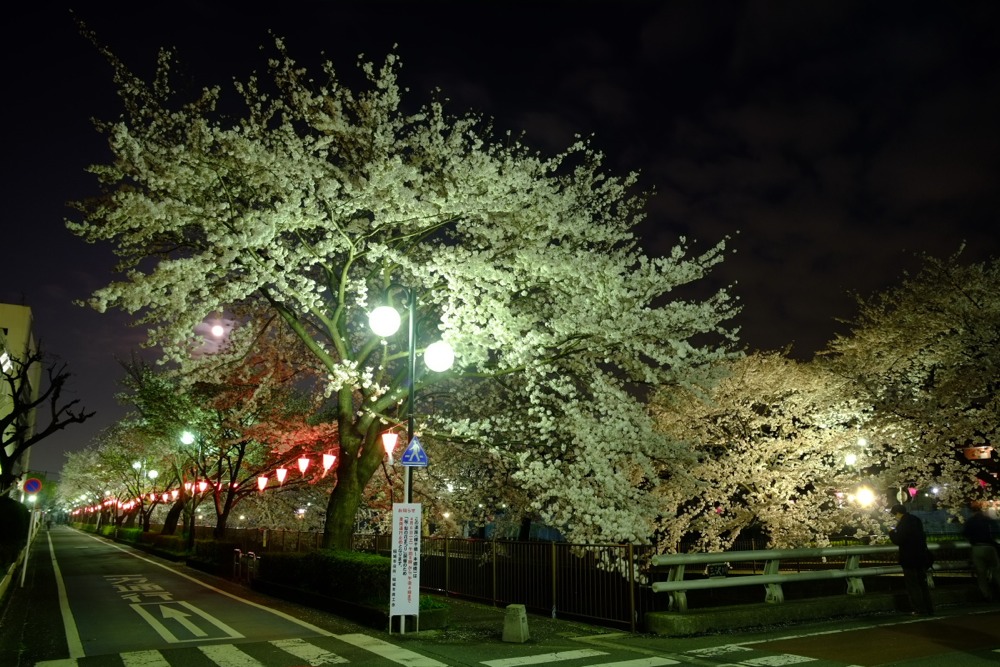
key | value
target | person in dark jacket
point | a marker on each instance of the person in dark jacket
(914, 558)
(978, 529)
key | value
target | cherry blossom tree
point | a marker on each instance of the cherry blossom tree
(248, 420)
(319, 202)
(777, 448)
(926, 356)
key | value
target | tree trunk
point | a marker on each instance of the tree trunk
(222, 516)
(361, 454)
(173, 516)
(340, 512)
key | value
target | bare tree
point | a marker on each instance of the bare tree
(18, 428)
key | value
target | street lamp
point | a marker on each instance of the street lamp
(438, 356)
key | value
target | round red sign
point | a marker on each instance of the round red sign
(32, 485)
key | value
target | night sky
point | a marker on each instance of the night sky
(832, 140)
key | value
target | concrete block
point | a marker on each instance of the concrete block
(515, 624)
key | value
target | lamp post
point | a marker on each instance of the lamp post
(385, 321)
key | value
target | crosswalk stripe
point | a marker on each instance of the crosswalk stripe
(390, 651)
(543, 657)
(312, 654)
(144, 659)
(640, 662)
(227, 655)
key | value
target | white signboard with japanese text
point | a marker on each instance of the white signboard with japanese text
(404, 594)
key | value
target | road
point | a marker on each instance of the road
(87, 602)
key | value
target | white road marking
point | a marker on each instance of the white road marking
(198, 633)
(182, 620)
(144, 659)
(777, 660)
(543, 657)
(303, 650)
(69, 623)
(227, 655)
(640, 662)
(713, 651)
(390, 651)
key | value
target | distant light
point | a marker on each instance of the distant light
(304, 464)
(865, 496)
(187, 437)
(218, 330)
(851, 459)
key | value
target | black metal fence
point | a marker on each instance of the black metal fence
(601, 584)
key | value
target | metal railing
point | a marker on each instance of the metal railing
(601, 584)
(824, 563)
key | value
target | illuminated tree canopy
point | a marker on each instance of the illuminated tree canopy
(317, 201)
(775, 452)
(926, 355)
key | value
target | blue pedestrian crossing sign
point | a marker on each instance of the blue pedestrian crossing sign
(414, 455)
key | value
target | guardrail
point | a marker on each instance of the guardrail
(854, 571)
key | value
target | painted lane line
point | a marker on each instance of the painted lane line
(69, 623)
(714, 651)
(543, 658)
(143, 659)
(389, 651)
(640, 662)
(227, 655)
(303, 650)
(61, 662)
(777, 660)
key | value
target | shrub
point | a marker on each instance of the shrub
(130, 535)
(219, 552)
(345, 575)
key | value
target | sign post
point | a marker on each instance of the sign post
(404, 590)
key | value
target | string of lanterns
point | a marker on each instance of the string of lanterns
(328, 460)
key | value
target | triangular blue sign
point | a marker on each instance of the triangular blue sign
(414, 455)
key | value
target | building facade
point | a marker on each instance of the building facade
(17, 344)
